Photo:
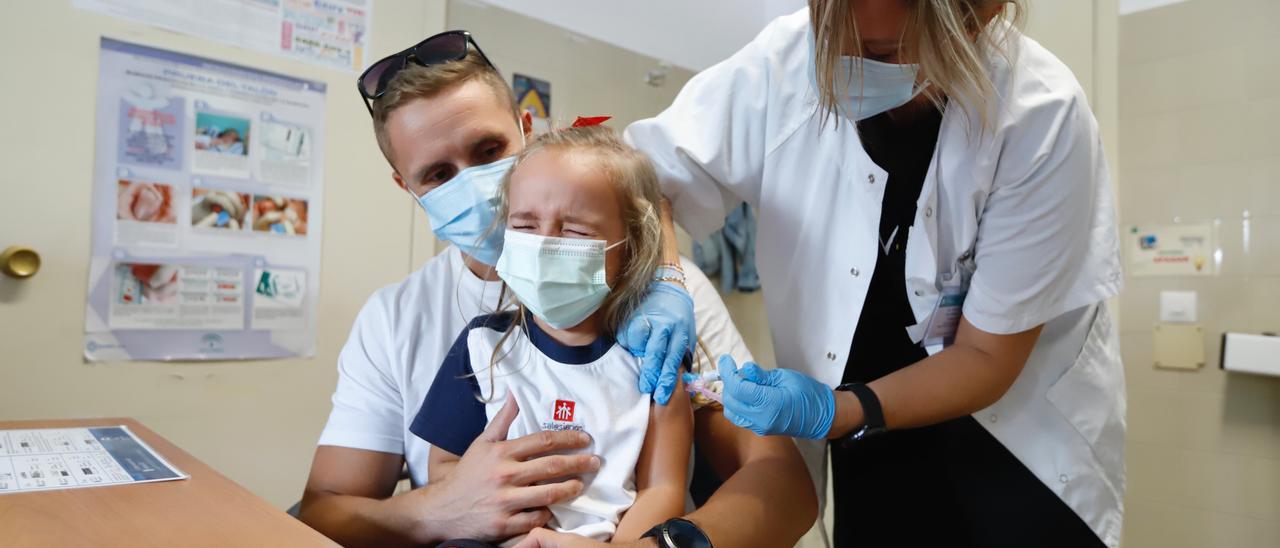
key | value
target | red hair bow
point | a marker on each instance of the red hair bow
(584, 121)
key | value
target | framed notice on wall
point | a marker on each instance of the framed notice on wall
(207, 200)
(1171, 250)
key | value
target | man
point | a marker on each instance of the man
(447, 122)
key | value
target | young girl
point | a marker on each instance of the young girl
(581, 246)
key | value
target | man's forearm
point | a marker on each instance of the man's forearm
(768, 498)
(361, 521)
(768, 502)
(654, 506)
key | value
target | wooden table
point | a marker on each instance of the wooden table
(206, 510)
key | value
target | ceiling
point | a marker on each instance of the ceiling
(688, 34)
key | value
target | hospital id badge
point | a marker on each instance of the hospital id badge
(945, 319)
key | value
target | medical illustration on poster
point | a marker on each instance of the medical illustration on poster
(207, 191)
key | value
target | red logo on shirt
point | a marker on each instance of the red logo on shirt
(563, 410)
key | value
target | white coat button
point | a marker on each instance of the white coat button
(919, 293)
(928, 212)
(1063, 478)
(853, 272)
(831, 356)
(993, 417)
(871, 178)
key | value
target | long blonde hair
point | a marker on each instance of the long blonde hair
(949, 39)
(636, 183)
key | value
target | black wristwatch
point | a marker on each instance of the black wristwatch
(678, 533)
(872, 415)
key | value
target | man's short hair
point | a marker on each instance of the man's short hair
(418, 82)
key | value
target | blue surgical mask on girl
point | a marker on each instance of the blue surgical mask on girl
(463, 209)
(871, 87)
(561, 280)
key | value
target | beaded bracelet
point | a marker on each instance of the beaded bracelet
(668, 274)
(673, 266)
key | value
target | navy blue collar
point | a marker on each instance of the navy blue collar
(573, 355)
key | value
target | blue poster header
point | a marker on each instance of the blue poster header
(206, 63)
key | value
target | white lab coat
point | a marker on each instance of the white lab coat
(1025, 207)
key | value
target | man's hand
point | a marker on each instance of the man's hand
(499, 488)
(661, 331)
(546, 538)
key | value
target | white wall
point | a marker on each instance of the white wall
(1200, 104)
(1134, 6)
(256, 422)
(692, 35)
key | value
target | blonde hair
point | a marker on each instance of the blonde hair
(415, 81)
(636, 182)
(949, 39)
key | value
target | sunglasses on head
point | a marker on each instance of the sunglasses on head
(442, 48)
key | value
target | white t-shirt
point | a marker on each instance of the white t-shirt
(404, 331)
(589, 388)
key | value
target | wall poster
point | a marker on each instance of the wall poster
(1171, 250)
(534, 97)
(207, 196)
(330, 33)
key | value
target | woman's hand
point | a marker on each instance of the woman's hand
(661, 331)
(776, 402)
(546, 538)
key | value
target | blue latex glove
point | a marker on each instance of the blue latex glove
(661, 332)
(776, 402)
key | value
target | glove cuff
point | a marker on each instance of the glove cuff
(828, 416)
(671, 287)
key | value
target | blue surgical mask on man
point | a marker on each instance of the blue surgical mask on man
(462, 210)
(561, 280)
(871, 87)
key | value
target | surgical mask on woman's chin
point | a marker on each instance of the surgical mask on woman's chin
(561, 280)
(462, 210)
(871, 87)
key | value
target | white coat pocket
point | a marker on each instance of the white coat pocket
(1085, 394)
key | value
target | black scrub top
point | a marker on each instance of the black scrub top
(949, 484)
(902, 147)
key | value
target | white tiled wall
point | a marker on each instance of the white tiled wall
(1200, 140)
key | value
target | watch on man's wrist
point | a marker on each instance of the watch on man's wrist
(678, 533)
(872, 415)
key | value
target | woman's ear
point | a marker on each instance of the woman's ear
(526, 125)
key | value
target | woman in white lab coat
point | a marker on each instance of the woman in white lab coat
(936, 246)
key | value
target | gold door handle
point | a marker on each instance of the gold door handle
(19, 262)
